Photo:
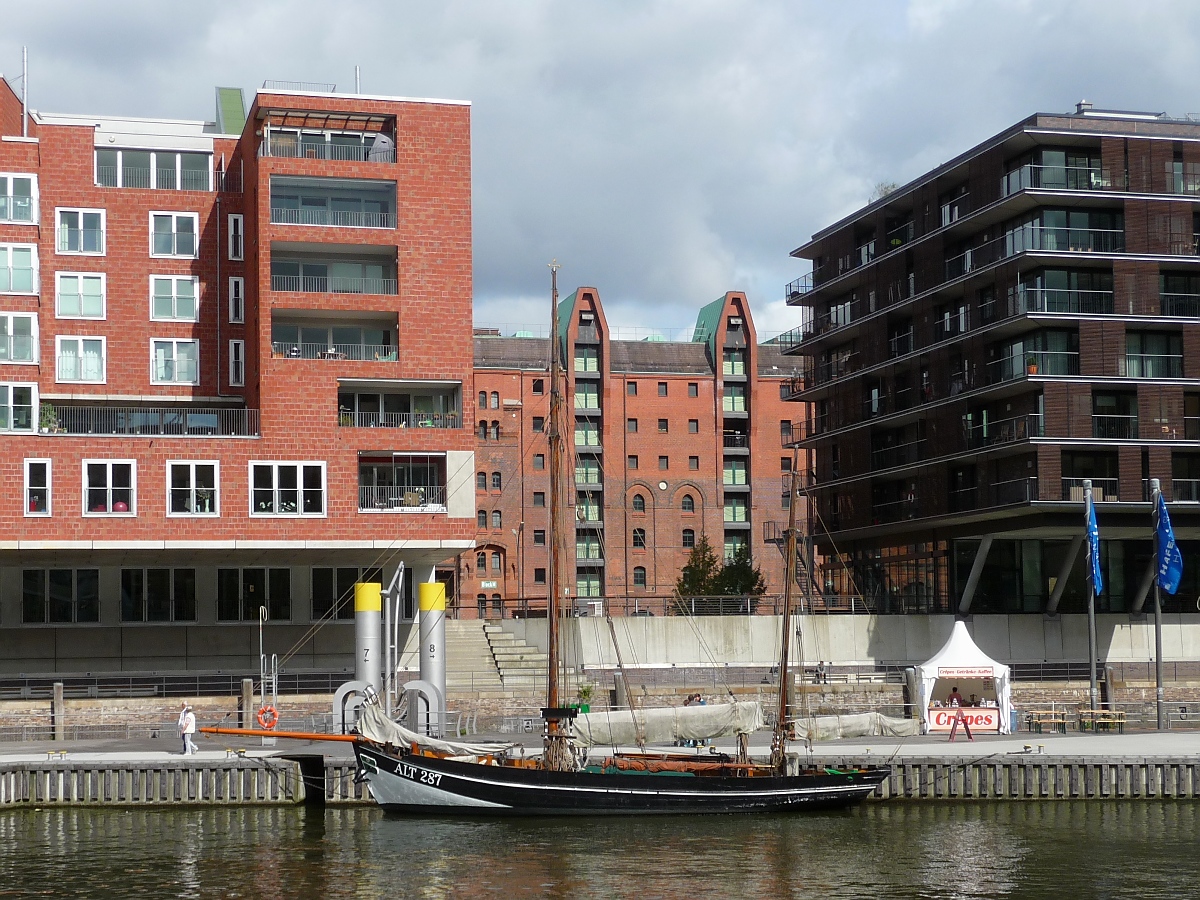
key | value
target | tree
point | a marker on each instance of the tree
(882, 189)
(704, 582)
(740, 577)
(701, 573)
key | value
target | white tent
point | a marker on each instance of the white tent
(961, 665)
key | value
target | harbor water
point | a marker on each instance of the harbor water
(1112, 849)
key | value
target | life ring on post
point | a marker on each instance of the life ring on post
(268, 717)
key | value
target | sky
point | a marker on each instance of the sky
(664, 151)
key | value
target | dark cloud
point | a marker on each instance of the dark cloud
(664, 152)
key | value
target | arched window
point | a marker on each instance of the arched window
(639, 538)
(688, 504)
(689, 539)
(496, 481)
(496, 518)
(495, 431)
(483, 431)
(481, 481)
(497, 563)
(483, 399)
(480, 561)
(495, 400)
(639, 576)
(639, 503)
(481, 518)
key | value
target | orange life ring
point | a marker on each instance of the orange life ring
(268, 717)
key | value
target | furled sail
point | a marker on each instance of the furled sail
(668, 725)
(376, 726)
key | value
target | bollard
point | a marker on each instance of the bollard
(247, 711)
(56, 713)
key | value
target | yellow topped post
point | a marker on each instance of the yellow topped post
(431, 600)
(368, 602)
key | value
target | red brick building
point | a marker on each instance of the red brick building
(232, 358)
(670, 440)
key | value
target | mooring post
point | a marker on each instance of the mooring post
(246, 719)
(56, 713)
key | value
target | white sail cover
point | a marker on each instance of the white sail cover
(667, 725)
(872, 724)
(376, 726)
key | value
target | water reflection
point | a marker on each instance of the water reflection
(1113, 850)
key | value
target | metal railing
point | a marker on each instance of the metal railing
(1007, 431)
(1151, 365)
(901, 344)
(1060, 178)
(369, 352)
(292, 149)
(1183, 305)
(1014, 491)
(1055, 300)
(899, 236)
(798, 288)
(1035, 237)
(422, 498)
(175, 243)
(735, 440)
(348, 419)
(128, 421)
(80, 240)
(333, 284)
(18, 348)
(1033, 362)
(894, 510)
(1115, 427)
(1185, 490)
(898, 455)
(334, 217)
(1104, 490)
(18, 209)
(1191, 428)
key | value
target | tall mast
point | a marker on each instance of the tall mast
(779, 737)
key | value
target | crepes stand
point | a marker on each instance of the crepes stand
(961, 664)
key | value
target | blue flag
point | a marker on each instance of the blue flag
(1170, 560)
(1093, 538)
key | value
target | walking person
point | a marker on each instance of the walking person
(187, 727)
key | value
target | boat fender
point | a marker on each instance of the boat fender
(268, 717)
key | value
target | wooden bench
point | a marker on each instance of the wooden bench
(1101, 720)
(1040, 720)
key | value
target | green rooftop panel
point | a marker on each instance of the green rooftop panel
(231, 110)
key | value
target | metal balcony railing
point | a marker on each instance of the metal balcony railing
(735, 440)
(370, 352)
(1185, 490)
(290, 149)
(895, 510)
(1191, 428)
(151, 421)
(1033, 362)
(1183, 305)
(312, 284)
(1008, 493)
(18, 209)
(1056, 178)
(1104, 490)
(1035, 237)
(419, 498)
(1007, 431)
(1115, 427)
(1151, 365)
(348, 419)
(798, 288)
(901, 344)
(898, 455)
(333, 217)
(1054, 300)
(899, 236)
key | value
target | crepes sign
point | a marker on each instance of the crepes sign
(965, 672)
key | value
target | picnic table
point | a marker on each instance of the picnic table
(1101, 719)
(1040, 720)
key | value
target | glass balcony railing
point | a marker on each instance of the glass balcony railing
(1033, 363)
(18, 209)
(80, 240)
(414, 498)
(150, 421)
(1150, 365)
(18, 348)
(333, 284)
(332, 217)
(1053, 300)
(1115, 427)
(1007, 431)
(368, 148)
(1056, 178)
(1035, 237)
(81, 368)
(368, 352)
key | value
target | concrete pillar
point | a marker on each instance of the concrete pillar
(248, 711)
(56, 713)
(1063, 573)
(976, 570)
(368, 661)
(431, 601)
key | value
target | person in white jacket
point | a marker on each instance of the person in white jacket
(187, 727)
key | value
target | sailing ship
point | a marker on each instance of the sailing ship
(582, 769)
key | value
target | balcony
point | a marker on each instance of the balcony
(897, 455)
(798, 288)
(1050, 300)
(280, 143)
(1185, 490)
(1009, 493)
(86, 369)
(1006, 431)
(1104, 490)
(1033, 362)
(1191, 428)
(335, 284)
(1035, 237)
(1055, 178)
(408, 498)
(117, 421)
(18, 347)
(18, 209)
(1182, 305)
(735, 440)
(333, 202)
(347, 419)
(899, 236)
(1120, 428)
(334, 350)
(334, 217)
(901, 344)
(894, 510)
(1151, 365)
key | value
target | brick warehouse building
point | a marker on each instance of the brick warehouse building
(670, 440)
(232, 365)
(984, 339)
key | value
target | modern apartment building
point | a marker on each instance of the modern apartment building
(980, 342)
(669, 440)
(232, 359)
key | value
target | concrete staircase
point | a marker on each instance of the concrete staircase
(522, 668)
(470, 667)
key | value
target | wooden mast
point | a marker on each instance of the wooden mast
(556, 751)
(779, 737)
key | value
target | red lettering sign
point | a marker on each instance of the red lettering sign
(985, 718)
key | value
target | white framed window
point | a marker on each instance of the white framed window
(18, 198)
(18, 269)
(18, 404)
(80, 295)
(80, 359)
(175, 235)
(287, 488)
(37, 487)
(164, 170)
(237, 300)
(174, 361)
(237, 363)
(18, 338)
(192, 488)
(80, 231)
(237, 242)
(109, 487)
(174, 298)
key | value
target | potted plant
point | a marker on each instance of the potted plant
(48, 419)
(345, 417)
(1031, 366)
(584, 694)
